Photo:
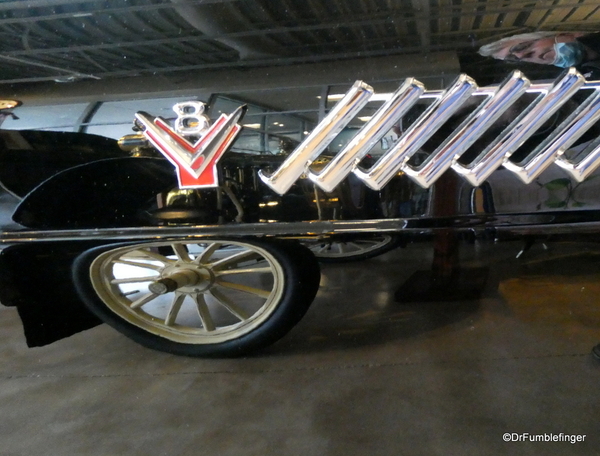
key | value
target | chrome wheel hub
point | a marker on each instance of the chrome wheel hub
(183, 278)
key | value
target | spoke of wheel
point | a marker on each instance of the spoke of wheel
(208, 252)
(174, 309)
(369, 243)
(157, 256)
(154, 267)
(234, 259)
(129, 293)
(342, 247)
(245, 288)
(204, 313)
(324, 248)
(242, 271)
(134, 280)
(356, 246)
(181, 252)
(143, 300)
(229, 304)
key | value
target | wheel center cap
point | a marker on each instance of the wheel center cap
(183, 277)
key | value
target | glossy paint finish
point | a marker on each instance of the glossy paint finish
(440, 347)
(361, 374)
(409, 190)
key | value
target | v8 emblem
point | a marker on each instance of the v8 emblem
(195, 162)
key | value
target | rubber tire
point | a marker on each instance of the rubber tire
(596, 352)
(301, 283)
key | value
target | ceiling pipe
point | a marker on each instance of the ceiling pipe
(216, 20)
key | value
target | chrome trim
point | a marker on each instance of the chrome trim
(470, 130)
(586, 166)
(551, 97)
(128, 143)
(586, 116)
(195, 162)
(540, 223)
(559, 141)
(521, 129)
(417, 134)
(315, 143)
(368, 136)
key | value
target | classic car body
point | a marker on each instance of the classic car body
(223, 268)
(332, 131)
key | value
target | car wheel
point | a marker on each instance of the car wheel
(334, 250)
(207, 298)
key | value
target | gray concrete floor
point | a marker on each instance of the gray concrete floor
(360, 375)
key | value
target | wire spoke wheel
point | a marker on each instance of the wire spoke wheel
(199, 298)
(355, 249)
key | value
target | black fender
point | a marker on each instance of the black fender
(29, 157)
(102, 194)
(36, 279)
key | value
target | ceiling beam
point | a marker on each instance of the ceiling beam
(48, 67)
(248, 80)
(421, 16)
(279, 61)
(435, 12)
(102, 10)
(20, 4)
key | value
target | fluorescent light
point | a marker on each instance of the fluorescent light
(374, 97)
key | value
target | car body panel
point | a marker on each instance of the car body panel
(454, 168)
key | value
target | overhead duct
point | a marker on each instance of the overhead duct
(216, 21)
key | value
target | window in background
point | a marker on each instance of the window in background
(114, 119)
(265, 131)
(52, 118)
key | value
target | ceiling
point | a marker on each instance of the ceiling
(50, 41)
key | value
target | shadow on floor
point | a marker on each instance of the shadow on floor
(367, 319)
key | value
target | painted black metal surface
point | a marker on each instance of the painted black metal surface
(93, 194)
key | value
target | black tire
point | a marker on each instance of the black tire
(287, 269)
(353, 248)
(596, 352)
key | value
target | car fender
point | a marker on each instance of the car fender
(102, 194)
(51, 310)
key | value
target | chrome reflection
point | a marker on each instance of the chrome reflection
(368, 136)
(417, 134)
(471, 129)
(461, 95)
(559, 141)
(325, 132)
(521, 129)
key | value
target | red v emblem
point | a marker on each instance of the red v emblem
(196, 163)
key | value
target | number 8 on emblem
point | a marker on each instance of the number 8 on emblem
(190, 118)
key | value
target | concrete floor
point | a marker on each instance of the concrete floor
(360, 375)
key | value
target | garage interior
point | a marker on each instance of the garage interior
(365, 372)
